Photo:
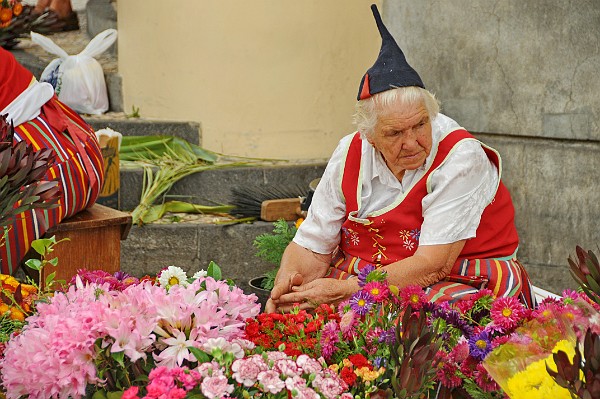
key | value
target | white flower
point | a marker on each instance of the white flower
(199, 273)
(173, 275)
(177, 350)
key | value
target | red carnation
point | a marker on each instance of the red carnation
(348, 376)
(359, 361)
(252, 329)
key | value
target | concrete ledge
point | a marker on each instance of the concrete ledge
(150, 248)
(189, 131)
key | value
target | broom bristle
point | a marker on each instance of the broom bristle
(248, 200)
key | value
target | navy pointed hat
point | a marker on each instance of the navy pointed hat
(390, 69)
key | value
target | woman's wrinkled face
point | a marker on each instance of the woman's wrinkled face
(402, 135)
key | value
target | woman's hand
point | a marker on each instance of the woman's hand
(298, 266)
(316, 292)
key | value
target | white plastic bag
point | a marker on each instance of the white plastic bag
(78, 79)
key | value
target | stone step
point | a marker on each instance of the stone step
(215, 186)
(189, 131)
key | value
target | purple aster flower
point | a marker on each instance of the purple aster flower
(361, 302)
(363, 273)
(453, 317)
(379, 362)
(480, 345)
(388, 336)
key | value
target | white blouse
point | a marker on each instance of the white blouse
(461, 188)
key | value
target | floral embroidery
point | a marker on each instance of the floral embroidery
(354, 237)
(409, 245)
(350, 236)
(404, 234)
(415, 234)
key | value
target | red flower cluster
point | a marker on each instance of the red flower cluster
(297, 331)
(353, 362)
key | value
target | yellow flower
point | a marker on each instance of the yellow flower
(535, 383)
(366, 374)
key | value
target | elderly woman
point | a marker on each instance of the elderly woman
(42, 121)
(412, 193)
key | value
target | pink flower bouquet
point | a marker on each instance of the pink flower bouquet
(103, 338)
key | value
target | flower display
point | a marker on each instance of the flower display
(295, 333)
(171, 336)
(94, 335)
(233, 374)
(357, 343)
(16, 299)
(8, 10)
(117, 281)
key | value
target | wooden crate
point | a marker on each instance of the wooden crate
(95, 236)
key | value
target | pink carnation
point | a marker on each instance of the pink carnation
(216, 387)
(246, 371)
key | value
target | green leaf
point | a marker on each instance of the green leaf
(214, 271)
(140, 147)
(99, 394)
(49, 278)
(41, 244)
(53, 261)
(119, 357)
(114, 395)
(34, 264)
(200, 355)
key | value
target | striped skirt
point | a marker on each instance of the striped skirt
(78, 168)
(504, 277)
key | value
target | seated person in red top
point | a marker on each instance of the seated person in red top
(43, 121)
(412, 193)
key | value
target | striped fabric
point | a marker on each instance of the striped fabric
(78, 167)
(504, 277)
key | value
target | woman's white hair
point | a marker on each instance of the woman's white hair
(368, 110)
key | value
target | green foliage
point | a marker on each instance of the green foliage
(8, 326)
(135, 112)
(166, 160)
(44, 247)
(270, 248)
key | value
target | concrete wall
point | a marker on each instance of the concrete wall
(523, 76)
(264, 78)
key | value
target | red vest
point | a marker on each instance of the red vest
(394, 235)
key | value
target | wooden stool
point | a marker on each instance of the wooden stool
(95, 236)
